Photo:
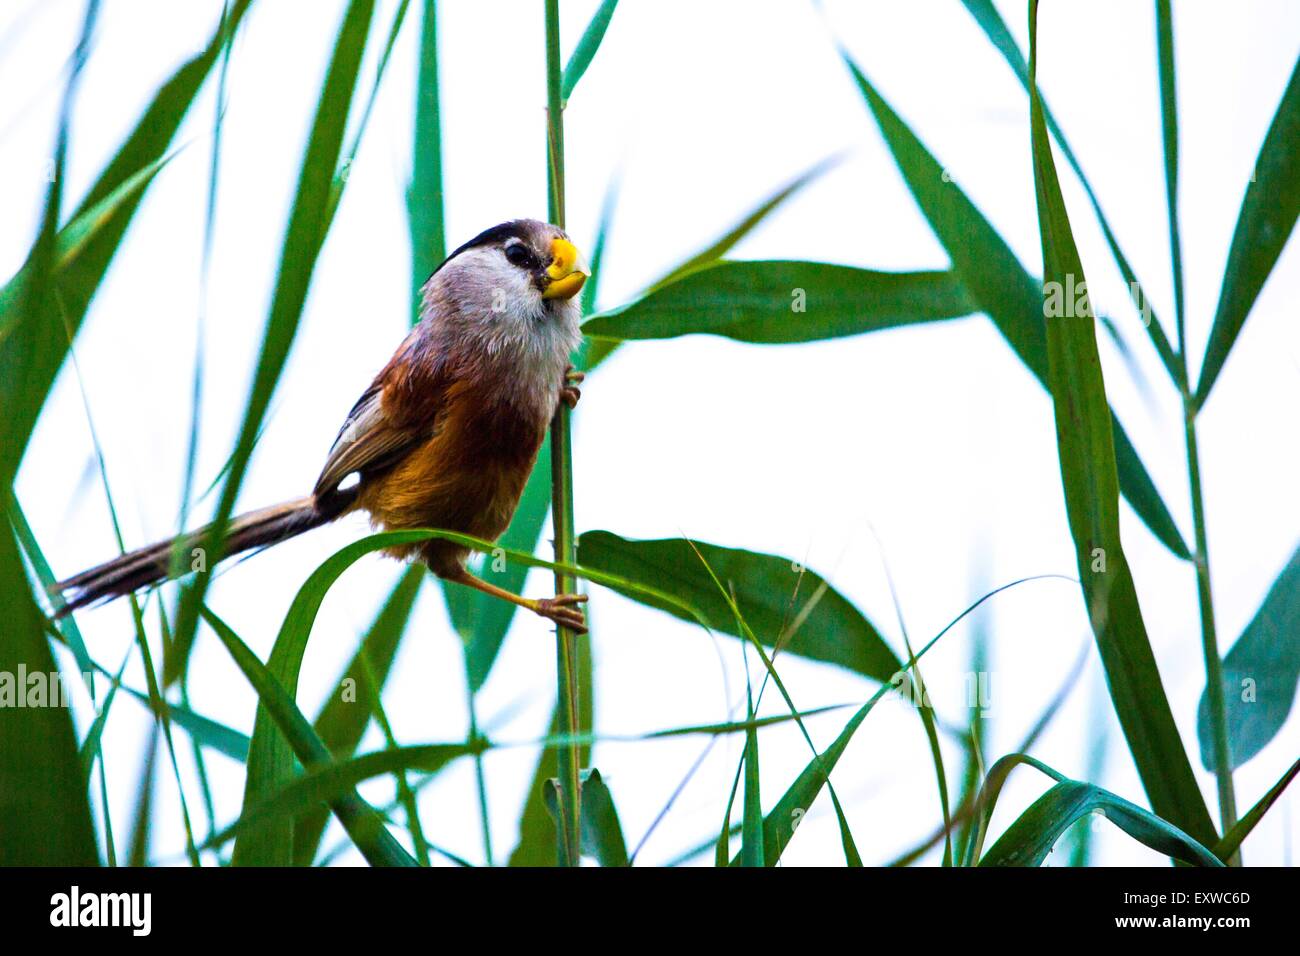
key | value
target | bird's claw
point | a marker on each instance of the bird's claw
(563, 610)
(569, 391)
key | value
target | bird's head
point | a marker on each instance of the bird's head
(519, 270)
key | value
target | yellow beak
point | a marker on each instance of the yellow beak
(567, 271)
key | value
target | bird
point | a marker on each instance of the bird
(446, 434)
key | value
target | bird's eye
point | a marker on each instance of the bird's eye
(519, 255)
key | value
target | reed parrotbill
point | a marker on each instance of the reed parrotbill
(447, 433)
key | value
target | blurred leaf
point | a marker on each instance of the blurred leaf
(344, 171)
(1228, 846)
(203, 730)
(780, 824)
(172, 655)
(1140, 491)
(424, 206)
(784, 818)
(67, 626)
(784, 301)
(990, 790)
(925, 710)
(343, 719)
(142, 827)
(740, 230)
(990, 21)
(90, 746)
(30, 357)
(1028, 841)
(360, 821)
(1169, 136)
(44, 814)
(330, 782)
(270, 763)
(591, 288)
(765, 585)
(1259, 673)
(602, 835)
(1088, 472)
(728, 726)
(750, 762)
(967, 815)
(537, 836)
(1267, 218)
(1098, 726)
(304, 237)
(76, 237)
(270, 754)
(1010, 297)
(979, 724)
(751, 819)
(587, 46)
(35, 322)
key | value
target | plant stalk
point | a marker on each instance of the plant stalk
(1209, 636)
(567, 844)
(480, 780)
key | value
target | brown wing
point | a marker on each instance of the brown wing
(384, 424)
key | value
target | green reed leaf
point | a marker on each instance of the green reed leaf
(296, 735)
(1085, 446)
(309, 219)
(770, 592)
(343, 719)
(1265, 223)
(1029, 840)
(1011, 298)
(586, 49)
(1260, 673)
(776, 302)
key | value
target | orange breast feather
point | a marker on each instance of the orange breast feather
(466, 477)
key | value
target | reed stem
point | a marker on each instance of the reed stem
(569, 803)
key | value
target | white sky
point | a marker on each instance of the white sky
(935, 437)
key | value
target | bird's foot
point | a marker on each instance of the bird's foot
(563, 610)
(569, 391)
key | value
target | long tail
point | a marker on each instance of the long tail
(153, 564)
